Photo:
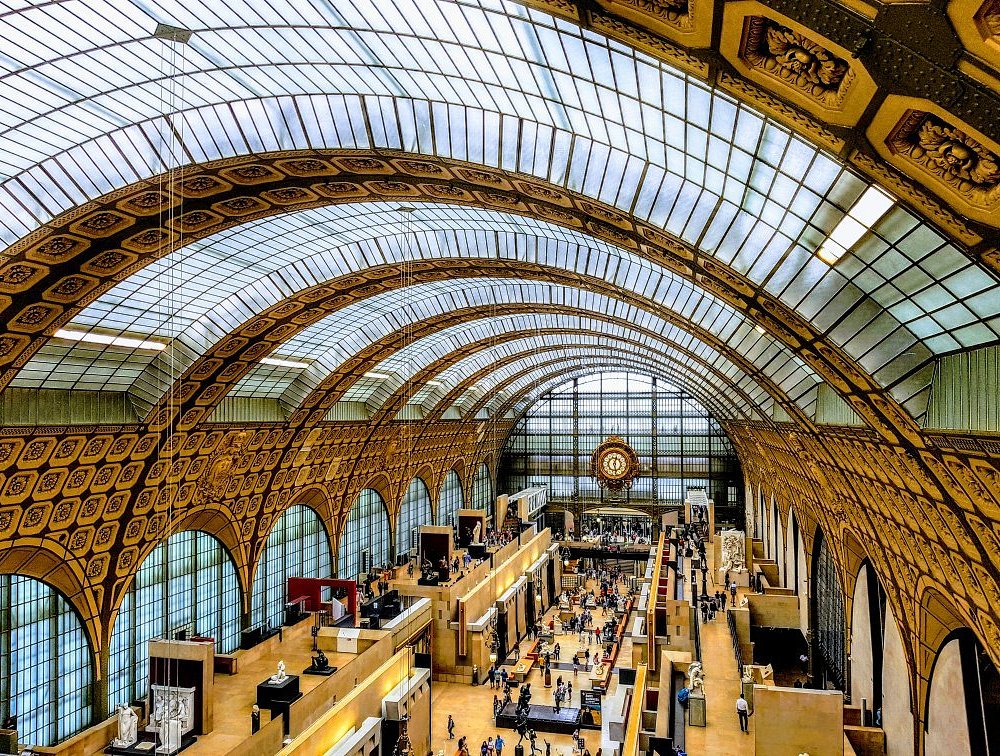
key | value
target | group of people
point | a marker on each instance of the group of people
(563, 693)
(378, 577)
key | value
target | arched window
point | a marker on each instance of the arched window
(414, 512)
(296, 547)
(450, 500)
(364, 542)
(187, 583)
(45, 662)
(482, 491)
(828, 617)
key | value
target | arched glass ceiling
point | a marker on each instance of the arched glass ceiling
(261, 263)
(519, 373)
(514, 379)
(409, 361)
(431, 393)
(490, 82)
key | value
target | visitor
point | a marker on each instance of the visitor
(555, 651)
(503, 677)
(484, 749)
(498, 745)
(732, 590)
(743, 712)
(492, 676)
(489, 746)
(586, 656)
(451, 728)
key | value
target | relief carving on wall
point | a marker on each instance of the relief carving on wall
(955, 158)
(796, 60)
(221, 468)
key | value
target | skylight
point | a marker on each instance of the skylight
(870, 208)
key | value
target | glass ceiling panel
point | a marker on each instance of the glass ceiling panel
(432, 392)
(556, 373)
(92, 102)
(197, 295)
(564, 365)
(328, 343)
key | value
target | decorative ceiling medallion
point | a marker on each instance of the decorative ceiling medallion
(809, 70)
(685, 21)
(977, 24)
(795, 59)
(949, 157)
(614, 464)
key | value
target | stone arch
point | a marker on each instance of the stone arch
(795, 331)
(316, 498)
(48, 561)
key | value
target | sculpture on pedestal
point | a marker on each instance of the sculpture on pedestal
(734, 558)
(128, 727)
(696, 676)
(477, 532)
(320, 662)
(280, 675)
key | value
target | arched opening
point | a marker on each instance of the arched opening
(364, 541)
(450, 499)
(963, 699)
(482, 491)
(297, 546)
(897, 701)
(46, 668)
(867, 639)
(828, 619)
(186, 586)
(414, 511)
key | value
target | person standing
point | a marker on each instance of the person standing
(451, 728)
(732, 590)
(743, 712)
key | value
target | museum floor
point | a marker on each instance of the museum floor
(472, 706)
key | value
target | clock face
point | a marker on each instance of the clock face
(614, 464)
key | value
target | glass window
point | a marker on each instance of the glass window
(297, 547)
(679, 443)
(186, 584)
(414, 512)
(450, 499)
(482, 491)
(364, 542)
(45, 662)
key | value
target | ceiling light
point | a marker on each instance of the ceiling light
(173, 33)
(109, 340)
(870, 208)
(378, 376)
(283, 363)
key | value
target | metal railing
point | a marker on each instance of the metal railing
(734, 636)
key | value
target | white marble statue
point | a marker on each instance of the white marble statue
(744, 602)
(128, 727)
(280, 676)
(767, 673)
(696, 676)
(734, 556)
(477, 532)
(171, 703)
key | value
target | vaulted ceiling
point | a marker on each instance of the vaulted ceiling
(446, 204)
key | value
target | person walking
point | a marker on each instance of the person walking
(743, 712)
(498, 745)
(732, 590)
(451, 728)
(492, 675)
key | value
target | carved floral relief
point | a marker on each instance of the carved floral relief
(950, 154)
(796, 60)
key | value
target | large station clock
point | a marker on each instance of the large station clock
(614, 464)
